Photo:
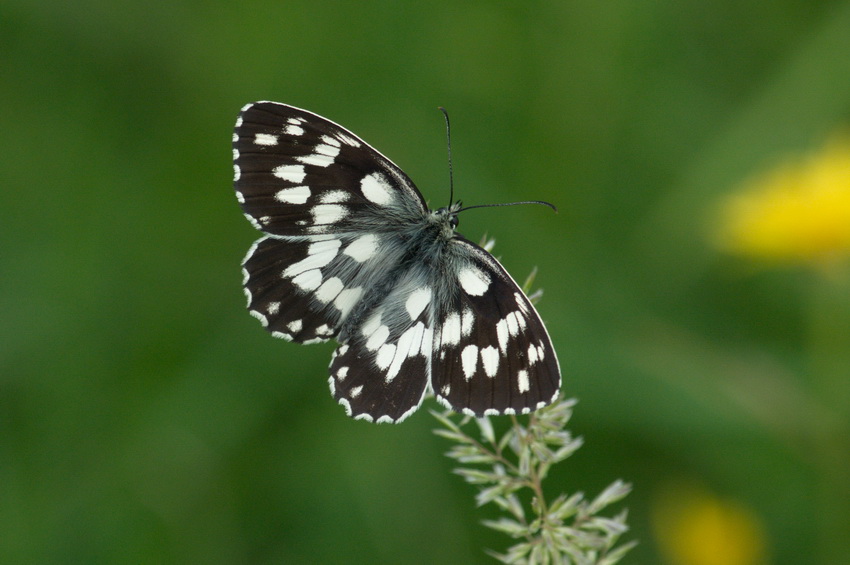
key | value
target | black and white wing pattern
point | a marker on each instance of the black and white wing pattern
(352, 252)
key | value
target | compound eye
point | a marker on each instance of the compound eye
(453, 221)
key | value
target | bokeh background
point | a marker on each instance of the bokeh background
(145, 417)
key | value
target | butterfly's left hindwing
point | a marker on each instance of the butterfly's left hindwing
(353, 253)
(381, 371)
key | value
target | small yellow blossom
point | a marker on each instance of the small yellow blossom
(695, 527)
(798, 212)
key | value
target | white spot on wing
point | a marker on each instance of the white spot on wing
(346, 300)
(260, 316)
(282, 335)
(334, 197)
(316, 159)
(409, 344)
(308, 280)
(254, 222)
(328, 213)
(490, 360)
(467, 322)
(324, 244)
(290, 173)
(521, 302)
(372, 324)
(377, 338)
(330, 140)
(417, 301)
(362, 248)
(330, 150)
(329, 290)
(502, 335)
(355, 392)
(294, 195)
(522, 380)
(345, 404)
(265, 139)
(348, 140)
(295, 326)
(385, 356)
(376, 188)
(294, 130)
(532, 354)
(474, 281)
(427, 345)
(451, 330)
(513, 324)
(319, 254)
(469, 360)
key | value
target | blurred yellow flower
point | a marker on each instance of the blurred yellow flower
(694, 527)
(797, 212)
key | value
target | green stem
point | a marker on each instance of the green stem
(829, 367)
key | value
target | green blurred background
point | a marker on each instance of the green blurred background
(145, 417)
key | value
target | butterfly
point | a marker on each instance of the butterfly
(352, 252)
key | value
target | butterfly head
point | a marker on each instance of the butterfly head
(447, 219)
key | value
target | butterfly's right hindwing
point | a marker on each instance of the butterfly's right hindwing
(492, 353)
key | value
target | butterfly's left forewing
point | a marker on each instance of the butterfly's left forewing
(297, 174)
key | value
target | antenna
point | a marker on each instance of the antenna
(552, 206)
(449, 144)
(451, 178)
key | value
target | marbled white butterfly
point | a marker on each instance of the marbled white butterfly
(352, 252)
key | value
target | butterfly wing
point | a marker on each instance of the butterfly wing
(491, 353)
(332, 206)
(381, 370)
(298, 174)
